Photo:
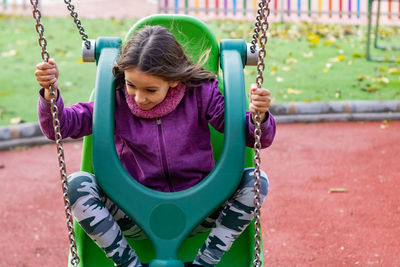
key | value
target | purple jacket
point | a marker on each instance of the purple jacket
(168, 154)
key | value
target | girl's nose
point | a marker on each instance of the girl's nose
(139, 98)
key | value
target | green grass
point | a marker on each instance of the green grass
(305, 62)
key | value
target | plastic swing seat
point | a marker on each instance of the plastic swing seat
(168, 218)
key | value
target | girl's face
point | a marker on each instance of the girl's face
(147, 90)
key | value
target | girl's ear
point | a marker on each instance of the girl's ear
(173, 84)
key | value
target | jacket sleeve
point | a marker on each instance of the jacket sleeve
(75, 121)
(214, 113)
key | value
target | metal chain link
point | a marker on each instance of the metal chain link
(56, 124)
(257, 27)
(262, 26)
(74, 14)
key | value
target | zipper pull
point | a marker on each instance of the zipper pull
(159, 121)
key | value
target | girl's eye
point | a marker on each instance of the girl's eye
(130, 85)
(151, 91)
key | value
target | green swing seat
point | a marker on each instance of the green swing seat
(168, 218)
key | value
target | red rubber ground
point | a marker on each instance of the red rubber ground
(303, 223)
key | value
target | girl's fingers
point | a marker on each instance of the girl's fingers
(46, 71)
(260, 98)
(261, 104)
(261, 92)
(262, 109)
(44, 66)
(46, 77)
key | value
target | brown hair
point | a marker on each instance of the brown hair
(154, 50)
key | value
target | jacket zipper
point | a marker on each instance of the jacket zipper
(163, 154)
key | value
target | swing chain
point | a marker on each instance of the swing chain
(56, 124)
(260, 25)
(256, 28)
(74, 14)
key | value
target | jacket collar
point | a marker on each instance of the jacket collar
(171, 101)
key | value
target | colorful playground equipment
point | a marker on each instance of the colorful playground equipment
(330, 9)
(327, 10)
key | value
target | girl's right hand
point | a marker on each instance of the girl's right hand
(47, 74)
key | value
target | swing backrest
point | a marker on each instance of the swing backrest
(195, 38)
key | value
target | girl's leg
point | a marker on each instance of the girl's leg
(233, 220)
(98, 217)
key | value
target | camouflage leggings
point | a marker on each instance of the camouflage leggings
(107, 225)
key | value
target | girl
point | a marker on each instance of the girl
(164, 104)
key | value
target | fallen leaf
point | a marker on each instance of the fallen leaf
(293, 91)
(383, 79)
(393, 71)
(357, 55)
(337, 190)
(370, 88)
(340, 58)
(384, 124)
(16, 120)
(326, 70)
(291, 60)
(285, 68)
(10, 53)
(314, 39)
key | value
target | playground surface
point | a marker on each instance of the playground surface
(333, 201)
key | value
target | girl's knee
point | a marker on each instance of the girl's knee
(248, 180)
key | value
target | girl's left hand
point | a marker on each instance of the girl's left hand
(260, 100)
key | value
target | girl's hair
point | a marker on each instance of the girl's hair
(154, 50)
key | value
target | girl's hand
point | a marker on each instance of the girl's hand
(260, 100)
(47, 74)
